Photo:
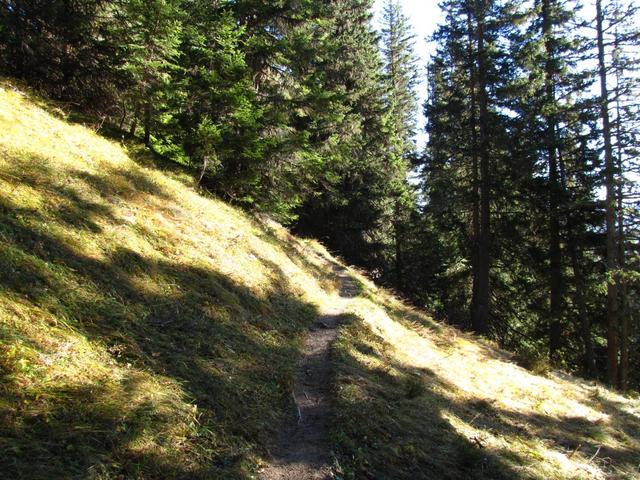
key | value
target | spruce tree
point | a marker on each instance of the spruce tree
(63, 48)
(470, 63)
(400, 78)
(150, 32)
(615, 33)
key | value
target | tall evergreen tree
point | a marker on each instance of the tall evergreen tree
(610, 202)
(64, 48)
(469, 62)
(150, 32)
(400, 78)
(615, 30)
(545, 56)
(354, 208)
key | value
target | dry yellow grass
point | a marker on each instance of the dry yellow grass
(149, 331)
(461, 408)
(146, 330)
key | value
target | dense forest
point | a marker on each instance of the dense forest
(519, 220)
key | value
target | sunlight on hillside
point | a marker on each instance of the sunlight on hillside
(517, 424)
(143, 327)
(149, 331)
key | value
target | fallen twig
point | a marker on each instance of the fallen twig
(474, 419)
(575, 450)
(478, 442)
(595, 454)
(297, 407)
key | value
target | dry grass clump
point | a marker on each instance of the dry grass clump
(146, 330)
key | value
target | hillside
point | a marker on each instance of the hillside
(150, 331)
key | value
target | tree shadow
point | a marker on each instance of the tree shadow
(224, 347)
(390, 426)
(299, 254)
(398, 422)
(64, 202)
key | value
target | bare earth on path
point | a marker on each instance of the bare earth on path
(302, 451)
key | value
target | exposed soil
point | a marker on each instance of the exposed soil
(302, 451)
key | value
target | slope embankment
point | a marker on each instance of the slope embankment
(149, 331)
(146, 330)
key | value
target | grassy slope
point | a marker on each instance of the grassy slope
(421, 400)
(147, 331)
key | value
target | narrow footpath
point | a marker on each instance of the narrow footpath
(302, 451)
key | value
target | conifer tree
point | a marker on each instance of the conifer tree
(615, 30)
(150, 32)
(63, 48)
(548, 83)
(472, 138)
(400, 78)
(400, 75)
(352, 210)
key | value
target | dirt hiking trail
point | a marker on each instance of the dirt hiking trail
(302, 451)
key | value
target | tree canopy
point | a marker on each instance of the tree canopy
(523, 222)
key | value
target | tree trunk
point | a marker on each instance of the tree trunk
(398, 254)
(205, 164)
(481, 308)
(589, 362)
(625, 320)
(134, 121)
(123, 118)
(623, 298)
(147, 123)
(555, 253)
(398, 237)
(19, 54)
(609, 170)
(475, 188)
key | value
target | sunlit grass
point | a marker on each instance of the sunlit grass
(477, 413)
(150, 331)
(146, 330)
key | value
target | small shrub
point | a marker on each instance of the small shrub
(534, 362)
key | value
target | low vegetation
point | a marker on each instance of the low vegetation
(417, 399)
(146, 331)
(149, 331)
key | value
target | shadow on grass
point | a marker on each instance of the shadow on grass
(395, 422)
(224, 348)
(299, 255)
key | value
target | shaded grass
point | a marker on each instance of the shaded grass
(150, 332)
(419, 400)
(390, 421)
(146, 331)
